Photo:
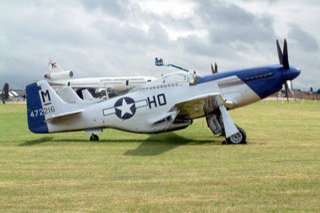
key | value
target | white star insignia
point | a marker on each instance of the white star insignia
(125, 108)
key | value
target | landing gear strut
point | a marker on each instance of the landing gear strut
(94, 137)
(238, 138)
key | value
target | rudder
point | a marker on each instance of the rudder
(42, 104)
(36, 117)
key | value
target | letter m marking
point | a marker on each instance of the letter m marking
(45, 96)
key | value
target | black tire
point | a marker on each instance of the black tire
(94, 137)
(239, 138)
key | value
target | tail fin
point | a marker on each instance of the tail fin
(44, 104)
(69, 96)
(86, 95)
(5, 91)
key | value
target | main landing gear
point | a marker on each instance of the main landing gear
(94, 137)
(215, 123)
(238, 138)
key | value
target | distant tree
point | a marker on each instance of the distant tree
(311, 89)
(318, 92)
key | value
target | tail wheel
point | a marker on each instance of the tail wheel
(239, 138)
(94, 137)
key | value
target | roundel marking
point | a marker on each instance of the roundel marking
(125, 108)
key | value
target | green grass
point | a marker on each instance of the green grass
(183, 171)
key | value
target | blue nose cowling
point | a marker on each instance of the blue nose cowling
(291, 73)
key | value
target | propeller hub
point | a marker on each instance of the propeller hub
(291, 73)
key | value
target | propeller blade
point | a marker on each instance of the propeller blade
(290, 85)
(215, 67)
(287, 90)
(279, 52)
(285, 59)
(292, 91)
(215, 70)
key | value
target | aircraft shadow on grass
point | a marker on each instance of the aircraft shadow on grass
(158, 144)
(37, 141)
(153, 145)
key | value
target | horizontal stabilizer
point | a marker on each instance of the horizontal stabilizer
(63, 115)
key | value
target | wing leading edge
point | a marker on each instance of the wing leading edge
(200, 106)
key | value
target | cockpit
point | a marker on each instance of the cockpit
(179, 77)
(194, 78)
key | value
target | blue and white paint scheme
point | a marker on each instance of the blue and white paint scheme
(168, 103)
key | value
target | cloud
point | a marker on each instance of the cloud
(114, 38)
(229, 27)
(302, 38)
(114, 8)
(230, 23)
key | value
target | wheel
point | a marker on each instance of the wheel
(94, 137)
(239, 138)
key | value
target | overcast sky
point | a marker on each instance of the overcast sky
(115, 38)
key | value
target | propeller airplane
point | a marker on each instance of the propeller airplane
(168, 103)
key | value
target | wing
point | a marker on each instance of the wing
(202, 105)
(199, 106)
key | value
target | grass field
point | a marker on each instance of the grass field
(183, 171)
